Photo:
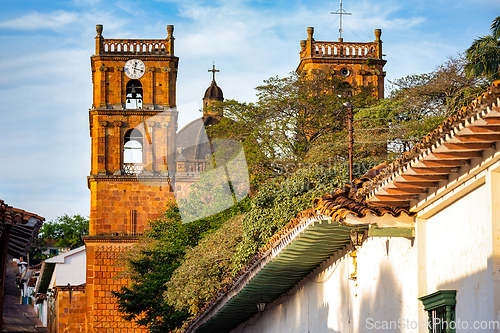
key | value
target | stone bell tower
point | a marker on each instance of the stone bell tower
(360, 64)
(132, 127)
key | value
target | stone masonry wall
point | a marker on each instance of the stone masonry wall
(70, 309)
(103, 277)
(124, 207)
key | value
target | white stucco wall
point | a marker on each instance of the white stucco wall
(73, 271)
(327, 301)
(458, 250)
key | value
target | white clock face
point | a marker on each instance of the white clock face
(134, 68)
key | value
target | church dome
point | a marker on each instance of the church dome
(193, 141)
(214, 92)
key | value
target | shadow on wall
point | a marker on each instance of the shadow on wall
(475, 299)
(344, 313)
(381, 310)
(332, 287)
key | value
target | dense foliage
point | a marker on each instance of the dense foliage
(484, 54)
(151, 263)
(217, 258)
(280, 201)
(206, 268)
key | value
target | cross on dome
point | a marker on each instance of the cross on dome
(213, 70)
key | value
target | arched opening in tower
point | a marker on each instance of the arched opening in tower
(134, 95)
(132, 152)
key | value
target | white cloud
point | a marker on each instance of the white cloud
(38, 21)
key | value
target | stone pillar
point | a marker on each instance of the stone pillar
(170, 38)
(98, 39)
(378, 32)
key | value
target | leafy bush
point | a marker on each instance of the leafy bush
(278, 202)
(206, 268)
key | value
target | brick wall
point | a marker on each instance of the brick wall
(70, 306)
(103, 277)
(124, 207)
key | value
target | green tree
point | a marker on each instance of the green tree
(290, 116)
(484, 54)
(416, 106)
(66, 231)
(150, 263)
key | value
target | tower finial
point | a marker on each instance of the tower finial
(98, 29)
(213, 70)
(341, 12)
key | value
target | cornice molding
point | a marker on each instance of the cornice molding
(127, 112)
(163, 179)
(111, 239)
(132, 56)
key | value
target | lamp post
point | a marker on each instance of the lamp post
(351, 138)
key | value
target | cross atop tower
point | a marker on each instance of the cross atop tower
(341, 12)
(213, 70)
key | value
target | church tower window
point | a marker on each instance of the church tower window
(134, 95)
(132, 152)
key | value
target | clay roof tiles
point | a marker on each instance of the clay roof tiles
(343, 201)
(23, 230)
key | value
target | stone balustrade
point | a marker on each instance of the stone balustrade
(132, 169)
(134, 47)
(343, 49)
(196, 166)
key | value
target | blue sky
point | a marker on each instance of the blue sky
(46, 80)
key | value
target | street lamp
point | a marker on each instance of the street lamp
(356, 238)
(261, 306)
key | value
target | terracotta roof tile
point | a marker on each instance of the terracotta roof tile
(343, 201)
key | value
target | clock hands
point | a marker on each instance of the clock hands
(135, 68)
